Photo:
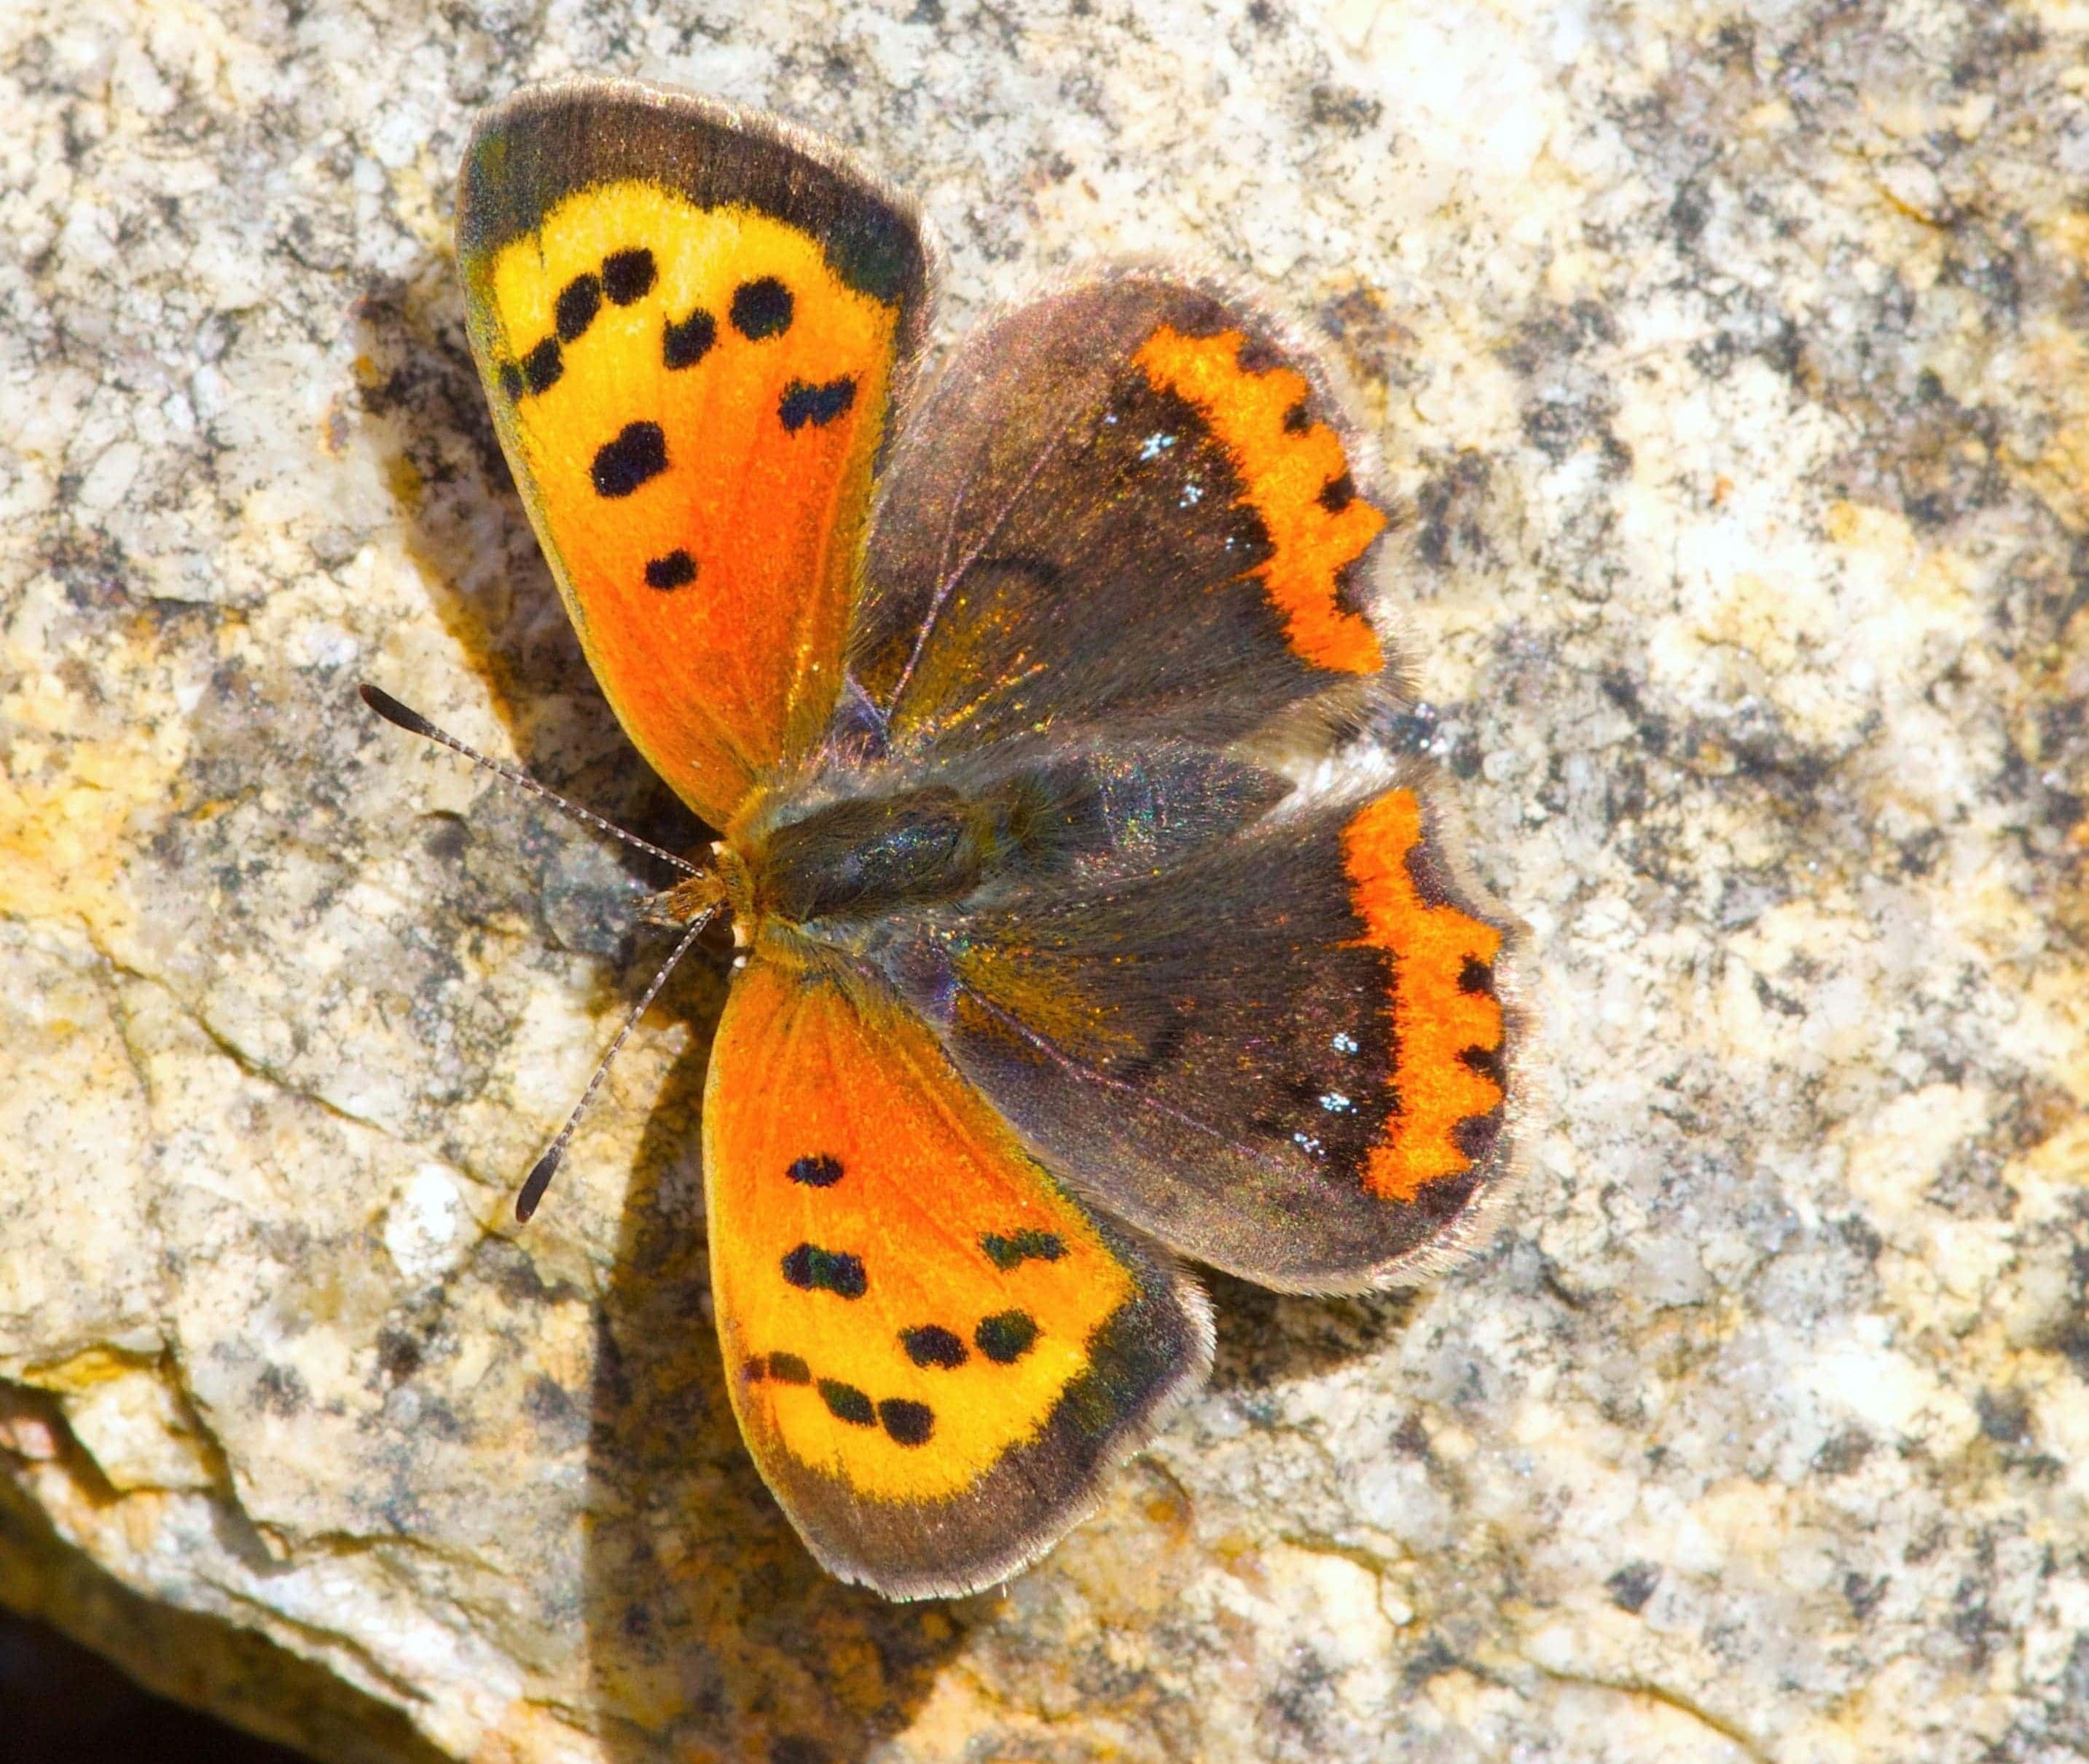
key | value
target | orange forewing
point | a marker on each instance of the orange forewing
(916, 1320)
(705, 546)
(691, 379)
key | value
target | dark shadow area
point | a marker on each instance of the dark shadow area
(60, 1703)
(1267, 1339)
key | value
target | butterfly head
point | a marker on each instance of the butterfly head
(701, 894)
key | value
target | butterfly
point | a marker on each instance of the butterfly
(1048, 979)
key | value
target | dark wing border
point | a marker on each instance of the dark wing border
(545, 142)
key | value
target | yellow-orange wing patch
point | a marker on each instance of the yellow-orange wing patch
(690, 363)
(1447, 1019)
(1294, 476)
(934, 1351)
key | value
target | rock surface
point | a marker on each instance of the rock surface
(1733, 363)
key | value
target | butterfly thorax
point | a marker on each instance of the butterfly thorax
(870, 857)
(876, 848)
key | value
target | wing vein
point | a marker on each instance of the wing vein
(948, 580)
(1051, 1051)
(930, 1087)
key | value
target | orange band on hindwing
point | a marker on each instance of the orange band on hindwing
(1444, 1013)
(1296, 481)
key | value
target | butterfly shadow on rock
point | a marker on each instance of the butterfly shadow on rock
(711, 1628)
(417, 401)
(1266, 1339)
(711, 1631)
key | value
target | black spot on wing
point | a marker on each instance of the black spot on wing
(629, 276)
(677, 569)
(762, 309)
(1338, 493)
(1257, 355)
(688, 340)
(1486, 1061)
(1005, 1339)
(813, 1269)
(1006, 1253)
(637, 455)
(577, 303)
(817, 405)
(788, 1369)
(542, 366)
(909, 1423)
(932, 1345)
(845, 1402)
(1298, 419)
(820, 1169)
(511, 381)
(1476, 976)
(1475, 1135)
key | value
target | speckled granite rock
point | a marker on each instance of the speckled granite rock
(1736, 368)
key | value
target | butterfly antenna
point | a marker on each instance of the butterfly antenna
(540, 1176)
(414, 724)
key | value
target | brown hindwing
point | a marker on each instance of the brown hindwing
(1288, 1057)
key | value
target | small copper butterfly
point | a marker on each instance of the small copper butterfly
(1047, 974)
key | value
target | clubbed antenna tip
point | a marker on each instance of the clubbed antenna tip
(414, 724)
(538, 1179)
(393, 712)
